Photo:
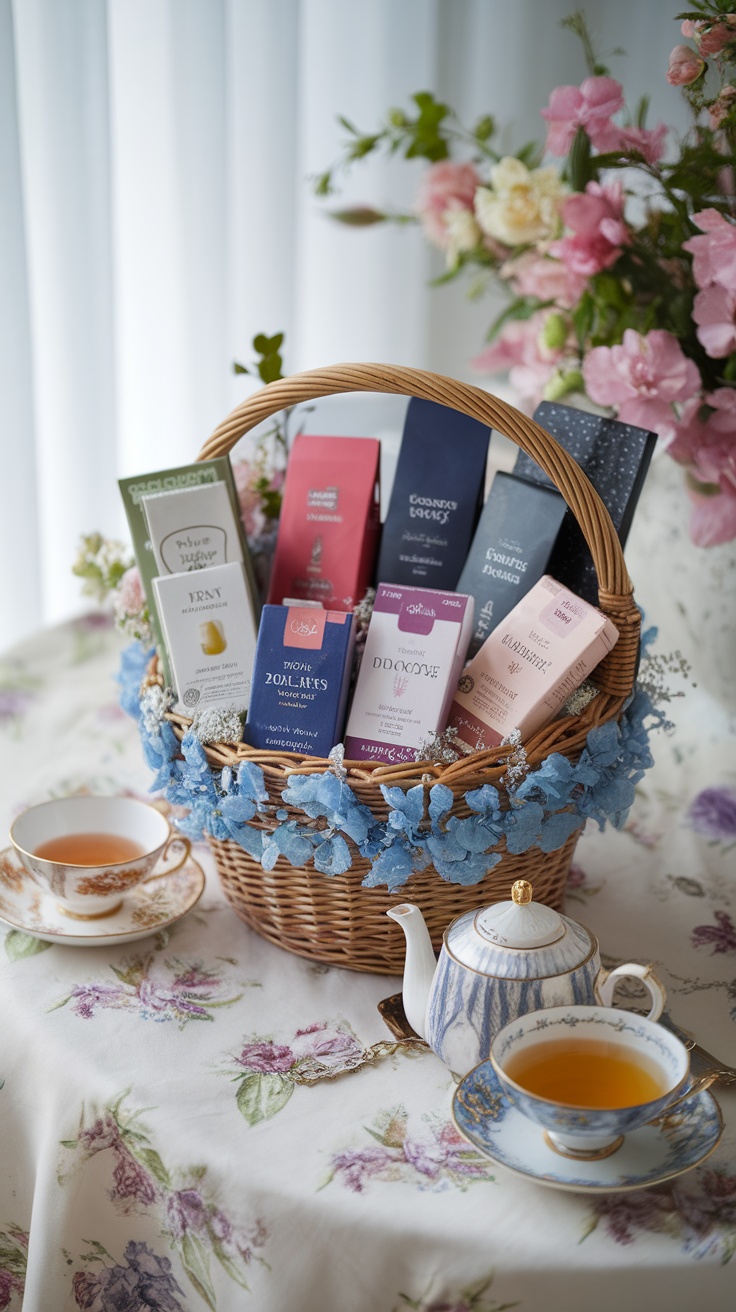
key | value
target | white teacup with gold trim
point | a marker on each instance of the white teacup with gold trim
(89, 852)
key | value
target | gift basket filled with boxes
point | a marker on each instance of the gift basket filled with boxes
(428, 708)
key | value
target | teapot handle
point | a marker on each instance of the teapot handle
(606, 983)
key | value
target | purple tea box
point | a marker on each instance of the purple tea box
(301, 679)
(414, 652)
(539, 654)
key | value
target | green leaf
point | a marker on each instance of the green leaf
(260, 343)
(269, 368)
(196, 1265)
(523, 307)
(19, 945)
(149, 1158)
(228, 1264)
(239, 368)
(261, 1096)
(484, 128)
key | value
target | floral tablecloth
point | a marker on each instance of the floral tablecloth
(156, 1153)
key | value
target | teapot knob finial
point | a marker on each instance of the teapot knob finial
(521, 892)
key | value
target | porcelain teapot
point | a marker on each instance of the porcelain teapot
(498, 963)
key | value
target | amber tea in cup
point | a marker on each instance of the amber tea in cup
(90, 852)
(89, 849)
(587, 1073)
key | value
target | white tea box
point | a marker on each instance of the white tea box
(210, 634)
(414, 652)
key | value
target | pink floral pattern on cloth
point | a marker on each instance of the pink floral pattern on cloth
(177, 1199)
(698, 1211)
(435, 1158)
(264, 1069)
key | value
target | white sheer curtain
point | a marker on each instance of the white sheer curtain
(156, 212)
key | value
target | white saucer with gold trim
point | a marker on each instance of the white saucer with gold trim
(24, 905)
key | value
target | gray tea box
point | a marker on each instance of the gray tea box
(513, 542)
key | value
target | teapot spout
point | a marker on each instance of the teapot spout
(419, 967)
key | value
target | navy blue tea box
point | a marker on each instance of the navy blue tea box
(512, 545)
(436, 497)
(301, 679)
(616, 458)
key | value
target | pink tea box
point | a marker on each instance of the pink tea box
(330, 522)
(414, 652)
(529, 665)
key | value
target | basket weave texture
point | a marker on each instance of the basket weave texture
(335, 919)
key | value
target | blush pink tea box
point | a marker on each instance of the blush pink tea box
(416, 645)
(527, 667)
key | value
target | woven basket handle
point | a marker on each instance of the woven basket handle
(615, 586)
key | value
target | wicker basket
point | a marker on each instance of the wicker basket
(334, 919)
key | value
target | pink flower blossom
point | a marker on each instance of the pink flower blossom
(246, 475)
(445, 186)
(714, 309)
(267, 1057)
(131, 1180)
(642, 378)
(649, 142)
(544, 278)
(130, 593)
(589, 106)
(713, 518)
(714, 254)
(711, 41)
(598, 230)
(685, 66)
(520, 352)
(708, 445)
(722, 106)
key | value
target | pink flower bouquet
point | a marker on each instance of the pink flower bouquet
(618, 292)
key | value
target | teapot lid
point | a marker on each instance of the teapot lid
(520, 923)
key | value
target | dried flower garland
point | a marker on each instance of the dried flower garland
(547, 804)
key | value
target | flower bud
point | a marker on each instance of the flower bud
(685, 67)
(561, 383)
(554, 332)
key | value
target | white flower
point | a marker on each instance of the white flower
(461, 234)
(521, 206)
(155, 702)
(217, 724)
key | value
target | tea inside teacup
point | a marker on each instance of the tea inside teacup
(587, 1073)
(89, 849)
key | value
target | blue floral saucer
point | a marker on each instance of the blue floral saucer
(647, 1156)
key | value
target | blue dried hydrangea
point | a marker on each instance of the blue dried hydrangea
(547, 805)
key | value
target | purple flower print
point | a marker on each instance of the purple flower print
(266, 1057)
(699, 1213)
(105, 1133)
(713, 814)
(185, 1212)
(440, 1155)
(625, 1215)
(132, 1182)
(9, 1284)
(357, 1167)
(722, 936)
(143, 1284)
(189, 996)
